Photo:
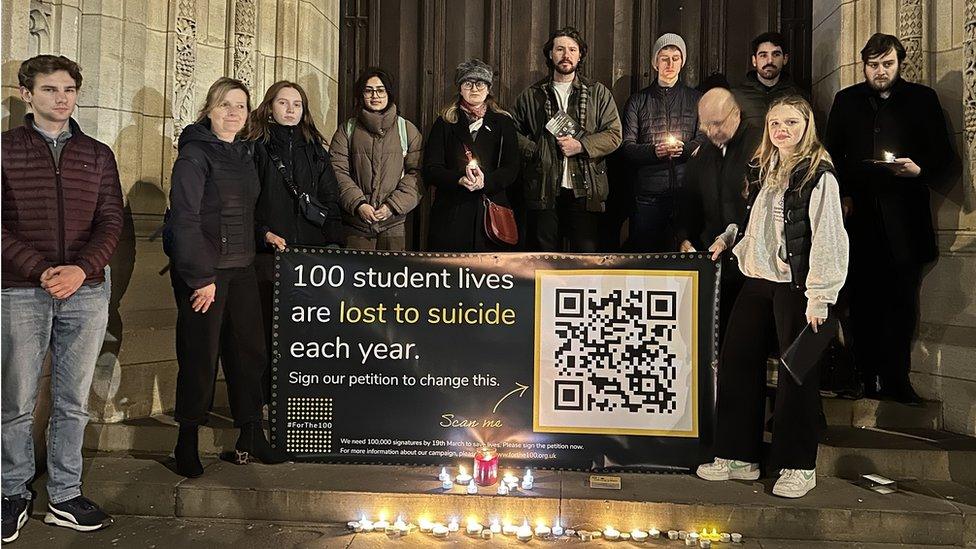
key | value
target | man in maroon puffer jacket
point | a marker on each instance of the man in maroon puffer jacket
(62, 216)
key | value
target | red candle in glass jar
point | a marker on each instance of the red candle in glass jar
(486, 466)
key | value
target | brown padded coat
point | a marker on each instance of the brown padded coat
(69, 214)
(370, 169)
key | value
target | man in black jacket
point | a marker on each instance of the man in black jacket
(769, 80)
(714, 183)
(889, 142)
(660, 131)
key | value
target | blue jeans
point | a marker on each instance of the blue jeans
(73, 329)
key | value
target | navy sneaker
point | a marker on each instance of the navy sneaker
(14, 517)
(79, 514)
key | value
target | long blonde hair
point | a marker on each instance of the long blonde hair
(767, 159)
(450, 111)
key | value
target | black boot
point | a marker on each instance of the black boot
(253, 446)
(187, 452)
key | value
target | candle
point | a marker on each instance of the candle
(705, 544)
(425, 525)
(611, 533)
(724, 537)
(624, 536)
(527, 480)
(557, 529)
(672, 141)
(453, 525)
(654, 533)
(472, 488)
(502, 489)
(402, 527)
(487, 534)
(736, 537)
(596, 534)
(672, 535)
(447, 484)
(682, 535)
(543, 531)
(638, 535)
(509, 529)
(366, 525)
(439, 531)
(889, 157)
(692, 538)
(524, 532)
(444, 475)
(462, 478)
(474, 528)
(585, 536)
(354, 526)
(486, 466)
(381, 524)
(496, 527)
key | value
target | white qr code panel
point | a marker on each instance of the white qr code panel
(616, 352)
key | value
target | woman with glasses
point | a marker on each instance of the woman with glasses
(376, 157)
(471, 158)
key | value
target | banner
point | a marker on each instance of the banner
(558, 361)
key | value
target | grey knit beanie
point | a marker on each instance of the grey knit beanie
(669, 39)
(475, 69)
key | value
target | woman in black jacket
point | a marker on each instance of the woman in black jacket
(471, 154)
(210, 242)
(288, 146)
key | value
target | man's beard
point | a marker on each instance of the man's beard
(881, 88)
(561, 70)
(775, 72)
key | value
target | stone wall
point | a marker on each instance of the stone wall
(937, 35)
(147, 65)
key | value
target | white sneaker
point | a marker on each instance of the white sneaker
(795, 483)
(728, 469)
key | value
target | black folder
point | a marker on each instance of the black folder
(805, 351)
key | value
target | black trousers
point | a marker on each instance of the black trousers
(264, 270)
(547, 228)
(765, 310)
(884, 316)
(229, 330)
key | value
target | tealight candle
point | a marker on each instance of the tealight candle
(487, 534)
(692, 539)
(402, 527)
(724, 537)
(596, 534)
(425, 525)
(444, 475)
(557, 529)
(447, 484)
(439, 531)
(585, 535)
(474, 528)
(472, 488)
(354, 526)
(654, 533)
(486, 466)
(462, 478)
(524, 532)
(527, 480)
(381, 525)
(366, 525)
(624, 536)
(509, 529)
(736, 537)
(496, 527)
(673, 535)
(542, 531)
(705, 544)
(611, 533)
(682, 535)
(453, 525)
(502, 489)
(638, 535)
(713, 536)
(570, 532)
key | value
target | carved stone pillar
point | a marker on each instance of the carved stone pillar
(186, 60)
(969, 86)
(911, 21)
(40, 28)
(244, 29)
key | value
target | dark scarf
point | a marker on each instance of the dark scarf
(584, 101)
(474, 113)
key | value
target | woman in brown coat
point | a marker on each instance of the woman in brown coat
(376, 156)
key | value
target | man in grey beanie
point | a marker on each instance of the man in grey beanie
(660, 132)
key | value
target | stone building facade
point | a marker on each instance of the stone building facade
(940, 39)
(148, 63)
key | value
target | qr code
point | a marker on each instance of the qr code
(615, 352)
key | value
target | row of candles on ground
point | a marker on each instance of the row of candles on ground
(525, 532)
(509, 483)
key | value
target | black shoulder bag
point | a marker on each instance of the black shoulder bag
(310, 208)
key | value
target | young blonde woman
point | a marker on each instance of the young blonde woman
(793, 251)
(210, 242)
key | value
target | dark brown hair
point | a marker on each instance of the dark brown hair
(384, 77)
(880, 44)
(259, 125)
(218, 90)
(569, 32)
(47, 64)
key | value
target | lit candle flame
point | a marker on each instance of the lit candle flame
(889, 156)
(672, 141)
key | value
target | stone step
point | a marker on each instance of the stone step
(923, 454)
(923, 512)
(869, 412)
(146, 532)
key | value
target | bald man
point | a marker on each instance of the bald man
(714, 183)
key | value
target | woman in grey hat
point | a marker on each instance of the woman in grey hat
(471, 155)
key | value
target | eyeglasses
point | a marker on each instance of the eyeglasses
(474, 85)
(378, 92)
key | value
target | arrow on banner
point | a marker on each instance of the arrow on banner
(521, 391)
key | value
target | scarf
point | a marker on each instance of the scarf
(584, 100)
(474, 113)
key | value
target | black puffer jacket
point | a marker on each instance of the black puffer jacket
(311, 169)
(754, 97)
(211, 220)
(649, 117)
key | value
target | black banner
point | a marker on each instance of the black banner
(558, 361)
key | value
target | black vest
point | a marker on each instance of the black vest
(796, 217)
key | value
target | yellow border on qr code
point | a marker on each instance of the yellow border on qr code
(694, 353)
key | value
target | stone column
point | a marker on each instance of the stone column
(969, 90)
(911, 23)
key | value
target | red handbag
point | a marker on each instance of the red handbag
(500, 223)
